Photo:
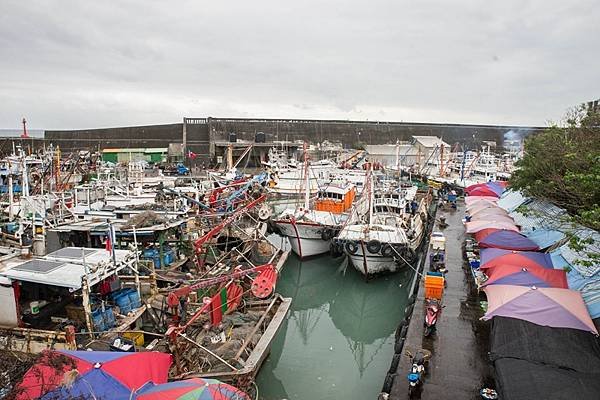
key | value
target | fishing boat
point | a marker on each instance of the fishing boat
(310, 230)
(386, 238)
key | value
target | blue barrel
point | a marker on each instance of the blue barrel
(122, 300)
(98, 320)
(109, 318)
(134, 298)
(150, 253)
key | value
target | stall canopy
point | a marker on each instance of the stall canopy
(192, 389)
(472, 200)
(508, 240)
(484, 191)
(97, 374)
(493, 218)
(480, 212)
(557, 308)
(476, 226)
(491, 257)
(523, 276)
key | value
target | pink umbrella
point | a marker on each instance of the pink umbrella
(554, 307)
(488, 211)
(491, 217)
(480, 204)
(474, 199)
(476, 226)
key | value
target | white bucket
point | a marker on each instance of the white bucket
(35, 307)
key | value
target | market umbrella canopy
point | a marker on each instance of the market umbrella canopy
(493, 218)
(471, 200)
(484, 191)
(479, 236)
(491, 257)
(478, 212)
(93, 374)
(558, 308)
(192, 389)
(508, 240)
(478, 203)
(496, 187)
(523, 276)
(476, 226)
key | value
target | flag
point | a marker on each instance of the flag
(108, 243)
(226, 299)
(192, 155)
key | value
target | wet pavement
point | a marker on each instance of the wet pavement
(459, 367)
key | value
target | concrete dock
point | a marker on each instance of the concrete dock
(459, 367)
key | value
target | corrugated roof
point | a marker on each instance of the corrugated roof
(545, 238)
(511, 200)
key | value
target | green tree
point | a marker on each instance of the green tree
(562, 165)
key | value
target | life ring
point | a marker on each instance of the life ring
(387, 250)
(373, 246)
(264, 213)
(351, 247)
(326, 234)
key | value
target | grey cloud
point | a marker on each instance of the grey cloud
(70, 64)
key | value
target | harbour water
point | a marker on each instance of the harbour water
(338, 339)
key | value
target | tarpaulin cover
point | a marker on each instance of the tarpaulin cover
(192, 389)
(508, 240)
(538, 362)
(491, 257)
(524, 380)
(471, 200)
(558, 347)
(558, 308)
(113, 375)
(523, 276)
(476, 226)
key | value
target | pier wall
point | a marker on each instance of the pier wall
(202, 133)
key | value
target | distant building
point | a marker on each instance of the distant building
(418, 151)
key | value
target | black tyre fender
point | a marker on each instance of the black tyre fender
(398, 334)
(373, 246)
(387, 251)
(399, 345)
(351, 247)
(387, 383)
(394, 365)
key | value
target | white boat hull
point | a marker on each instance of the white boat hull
(375, 263)
(305, 239)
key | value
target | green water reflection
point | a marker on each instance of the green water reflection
(338, 339)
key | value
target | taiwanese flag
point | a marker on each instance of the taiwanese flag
(192, 155)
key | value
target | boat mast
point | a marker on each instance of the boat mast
(371, 191)
(306, 179)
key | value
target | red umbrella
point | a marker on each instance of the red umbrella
(524, 276)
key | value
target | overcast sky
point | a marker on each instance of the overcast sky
(84, 64)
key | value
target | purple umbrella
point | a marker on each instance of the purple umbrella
(508, 240)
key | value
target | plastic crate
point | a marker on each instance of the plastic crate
(134, 298)
(434, 286)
